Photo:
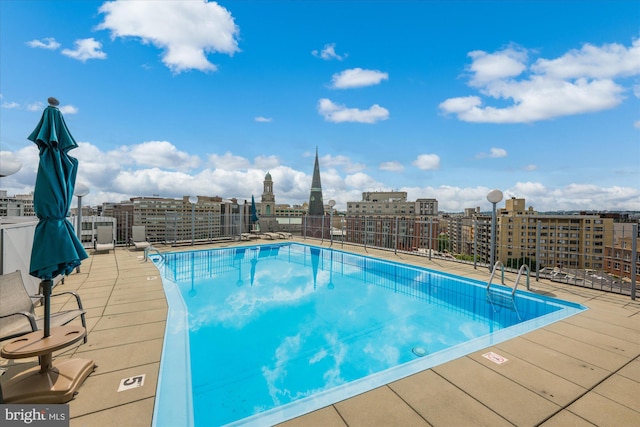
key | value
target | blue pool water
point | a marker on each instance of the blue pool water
(260, 334)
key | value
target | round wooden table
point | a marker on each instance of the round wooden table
(51, 382)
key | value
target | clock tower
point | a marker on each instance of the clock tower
(268, 202)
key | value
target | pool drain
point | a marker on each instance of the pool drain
(419, 351)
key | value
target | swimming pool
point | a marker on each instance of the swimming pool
(261, 334)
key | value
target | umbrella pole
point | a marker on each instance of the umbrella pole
(46, 292)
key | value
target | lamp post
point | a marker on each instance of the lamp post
(332, 203)
(193, 200)
(80, 191)
(494, 197)
(9, 167)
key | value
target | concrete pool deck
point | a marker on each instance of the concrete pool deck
(581, 371)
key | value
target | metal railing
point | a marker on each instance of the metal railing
(565, 258)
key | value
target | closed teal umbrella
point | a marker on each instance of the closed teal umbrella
(56, 248)
(254, 211)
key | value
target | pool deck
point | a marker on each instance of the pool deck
(581, 371)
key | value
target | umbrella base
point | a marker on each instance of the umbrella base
(56, 385)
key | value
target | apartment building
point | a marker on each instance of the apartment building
(388, 220)
(177, 220)
(619, 254)
(18, 205)
(461, 230)
(619, 259)
(391, 203)
(569, 241)
(524, 236)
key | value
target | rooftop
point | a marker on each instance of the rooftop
(583, 370)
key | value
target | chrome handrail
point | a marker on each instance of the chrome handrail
(149, 249)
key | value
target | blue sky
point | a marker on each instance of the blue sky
(442, 99)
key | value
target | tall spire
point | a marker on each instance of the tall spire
(316, 205)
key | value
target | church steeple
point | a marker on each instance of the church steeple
(316, 205)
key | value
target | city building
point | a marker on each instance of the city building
(267, 207)
(619, 254)
(387, 219)
(175, 221)
(18, 205)
(619, 259)
(277, 217)
(391, 203)
(460, 230)
(566, 241)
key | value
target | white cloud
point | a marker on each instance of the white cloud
(361, 182)
(266, 162)
(577, 196)
(494, 153)
(186, 31)
(541, 197)
(488, 67)
(85, 49)
(160, 154)
(605, 62)
(261, 119)
(343, 162)
(36, 106)
(498, 153)
(427, 162)
(339, 113)
(391, 166)
(48, 43)
(537, 99)
(228, 161)
(68, 109)
(581, 81)
(116, 175)
(357, 77)
(530, 168)
(11, 105)
(328, 53)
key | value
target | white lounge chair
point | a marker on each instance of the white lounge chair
(272, 236)
(139, 237)
(104, 241)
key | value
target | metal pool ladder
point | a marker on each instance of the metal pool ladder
(150, 249)
(499, 299)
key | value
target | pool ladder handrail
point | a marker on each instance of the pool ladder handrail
(149, 249)
(511, 299)
(493, 273)
(523, 267)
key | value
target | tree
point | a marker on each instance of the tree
(443, 242)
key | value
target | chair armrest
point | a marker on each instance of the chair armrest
(30, 317)
(70, 293)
